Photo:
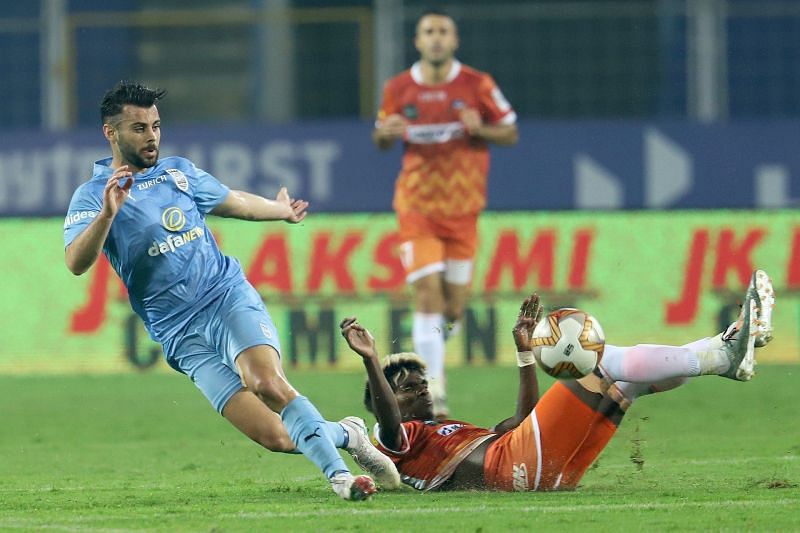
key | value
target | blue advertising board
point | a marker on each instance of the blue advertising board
(555, 166)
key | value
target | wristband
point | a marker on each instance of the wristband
(525, 359)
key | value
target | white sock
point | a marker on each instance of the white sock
(649, 363)
(428, 338)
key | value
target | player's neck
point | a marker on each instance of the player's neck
(434, 74)
(117, 161)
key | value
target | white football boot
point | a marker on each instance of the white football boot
(353, 488)
(763, 317)
(367, 456)
(739, 340)
(766, 294)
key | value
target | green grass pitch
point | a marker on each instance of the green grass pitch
(146, 452)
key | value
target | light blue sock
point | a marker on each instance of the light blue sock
(310, 434)
(338, 435)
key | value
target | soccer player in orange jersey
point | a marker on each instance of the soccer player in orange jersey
(549, 443)
(446, 114)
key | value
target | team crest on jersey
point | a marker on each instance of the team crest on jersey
(459, 104)
(410, 111)
(179, 178)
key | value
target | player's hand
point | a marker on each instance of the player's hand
(116, 191)
(530, 313)
(392, 127)
(358, 338)
(471, 119)
(297, 208)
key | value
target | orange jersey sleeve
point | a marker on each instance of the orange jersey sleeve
(444, 170)
(431, 451)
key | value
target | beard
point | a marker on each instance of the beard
(135, 157)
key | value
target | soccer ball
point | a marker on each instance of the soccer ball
(568, 343)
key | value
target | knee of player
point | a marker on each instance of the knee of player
(454, 313)
(272, 389)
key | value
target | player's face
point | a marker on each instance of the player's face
(413, 397)
(436, 39)
(137, 134)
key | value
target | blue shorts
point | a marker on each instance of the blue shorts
(207, 348)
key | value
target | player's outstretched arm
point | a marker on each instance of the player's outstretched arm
(530, 313)
(82, 252)
(384, 403)
(247, 206)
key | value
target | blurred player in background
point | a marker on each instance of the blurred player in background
(148, 216)
(446, 114)
(548, 444)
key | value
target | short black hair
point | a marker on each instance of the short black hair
(395, 367)
(128, 93)
(433, 12)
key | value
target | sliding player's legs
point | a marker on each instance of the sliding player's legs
(540, 453)
(730, 355)
(663, 368)
(575, 420)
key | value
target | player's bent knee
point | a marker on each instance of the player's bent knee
(454, 313)
(273, 390)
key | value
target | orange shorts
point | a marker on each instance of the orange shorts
(552, 448)
(432, 244)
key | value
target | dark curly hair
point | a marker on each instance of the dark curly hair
(395, 367)
(128, 93)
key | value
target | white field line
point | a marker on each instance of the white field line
(351, 511)
(539, 509)
(603, 466)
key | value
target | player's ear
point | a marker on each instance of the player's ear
(109, 132)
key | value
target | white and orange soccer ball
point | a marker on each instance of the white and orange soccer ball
(568, 343)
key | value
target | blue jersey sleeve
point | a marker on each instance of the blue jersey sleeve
(208, 191)
(83, 209)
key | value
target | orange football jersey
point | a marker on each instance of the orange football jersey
(431, 450)
(444, 170)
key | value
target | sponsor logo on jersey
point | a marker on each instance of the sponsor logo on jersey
(150, 183)
(265, 330)
(458, 104)
(173, 242)
(434, 133)
(77, 216)
(180, 179)
(449, 429)
(432, 96)
(173, 219)
(519, 476)
(410, 112)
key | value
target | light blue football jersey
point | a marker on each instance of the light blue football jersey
(159, 244)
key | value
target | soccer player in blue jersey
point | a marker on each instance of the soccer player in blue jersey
(147, 215)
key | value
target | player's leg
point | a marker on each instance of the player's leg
(461, 241)
(422, 255)
(568, 419)
(734, 359)
(248, 340)
(253, 418)
(671, 366)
